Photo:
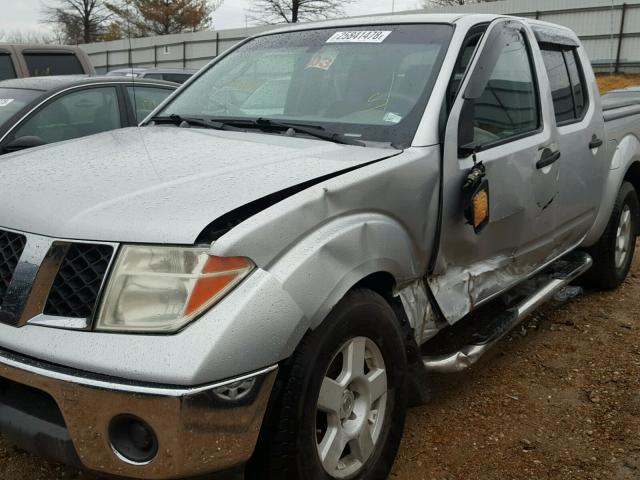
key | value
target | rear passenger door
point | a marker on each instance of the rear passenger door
(501, 113)
(580, 133)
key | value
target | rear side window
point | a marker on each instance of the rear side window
(560, 85)
(6, 67)
(567, 83)
(146, 99)
(176, 77)
(42, 64)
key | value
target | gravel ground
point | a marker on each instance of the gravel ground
(559, 399)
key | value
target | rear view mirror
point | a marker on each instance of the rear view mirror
(22, 143)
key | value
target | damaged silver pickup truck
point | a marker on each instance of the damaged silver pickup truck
(261, 276)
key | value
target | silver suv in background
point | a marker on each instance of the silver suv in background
(176, 75)
(21, 60)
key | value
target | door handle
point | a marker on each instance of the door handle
(548, 157)
(595, 143)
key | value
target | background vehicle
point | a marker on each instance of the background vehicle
(43, 110)
(265, 272)
(176, 75)
(22, 60)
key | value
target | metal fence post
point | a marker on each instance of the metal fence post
(155, 55)
(621, 37)
(107, 66)
(184, 54)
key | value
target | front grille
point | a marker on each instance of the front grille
(76, 288)
(11, 248)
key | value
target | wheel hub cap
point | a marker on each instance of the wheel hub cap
(351, 408)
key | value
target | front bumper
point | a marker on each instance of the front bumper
(66, 414)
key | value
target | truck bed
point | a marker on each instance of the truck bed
(621, 103)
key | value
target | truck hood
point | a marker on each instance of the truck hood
(157, 184)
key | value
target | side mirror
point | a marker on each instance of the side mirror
(22, 143)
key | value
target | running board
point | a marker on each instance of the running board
(554, 279)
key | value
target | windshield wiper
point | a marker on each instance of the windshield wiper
(316, 131)
(188, 121)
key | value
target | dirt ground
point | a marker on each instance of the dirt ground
(558, 399)
(611, 82)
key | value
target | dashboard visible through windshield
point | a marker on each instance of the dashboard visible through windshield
(368, 83)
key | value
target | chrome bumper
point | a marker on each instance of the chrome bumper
(199, 430)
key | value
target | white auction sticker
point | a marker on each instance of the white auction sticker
(5, 101)
(361, 36)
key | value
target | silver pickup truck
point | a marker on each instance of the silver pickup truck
(262, 275)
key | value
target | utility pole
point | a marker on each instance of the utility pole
(393, 6)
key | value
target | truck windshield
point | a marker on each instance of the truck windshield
(12, 100)
(369, 83)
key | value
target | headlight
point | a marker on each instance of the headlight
(163, 288)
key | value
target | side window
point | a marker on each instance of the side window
(561, 92)
(42, 64)
(176, 77)
(74, 115)
(567, 84)
(508, 107)
(6, 67)
(153, 76)
(577, 82)
(145, 99)
(466, 54)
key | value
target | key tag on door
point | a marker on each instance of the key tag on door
(475, 191)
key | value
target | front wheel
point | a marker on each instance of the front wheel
(613, 254)
(338, 407)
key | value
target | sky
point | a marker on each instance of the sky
(26, 14)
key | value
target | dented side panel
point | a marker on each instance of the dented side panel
(320, 242)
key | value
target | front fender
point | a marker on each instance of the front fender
(319, 270)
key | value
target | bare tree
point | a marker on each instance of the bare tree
(450, 3)
(29, 36)
(82, 20)
(293, 11)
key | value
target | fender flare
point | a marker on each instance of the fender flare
(626, 154)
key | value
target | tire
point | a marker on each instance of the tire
(295, 426)
(610, 265)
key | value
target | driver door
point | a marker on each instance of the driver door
(502, 116)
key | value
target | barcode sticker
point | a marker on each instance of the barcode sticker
(360, 36)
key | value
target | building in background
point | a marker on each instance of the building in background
(609, 29)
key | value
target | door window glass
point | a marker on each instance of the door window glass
(6, 67)
(508, 107)
(42, 64)
(74, 115)
(577, 82)
(560, 85)
(146, 99)
(176, 77)
(567, 83)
